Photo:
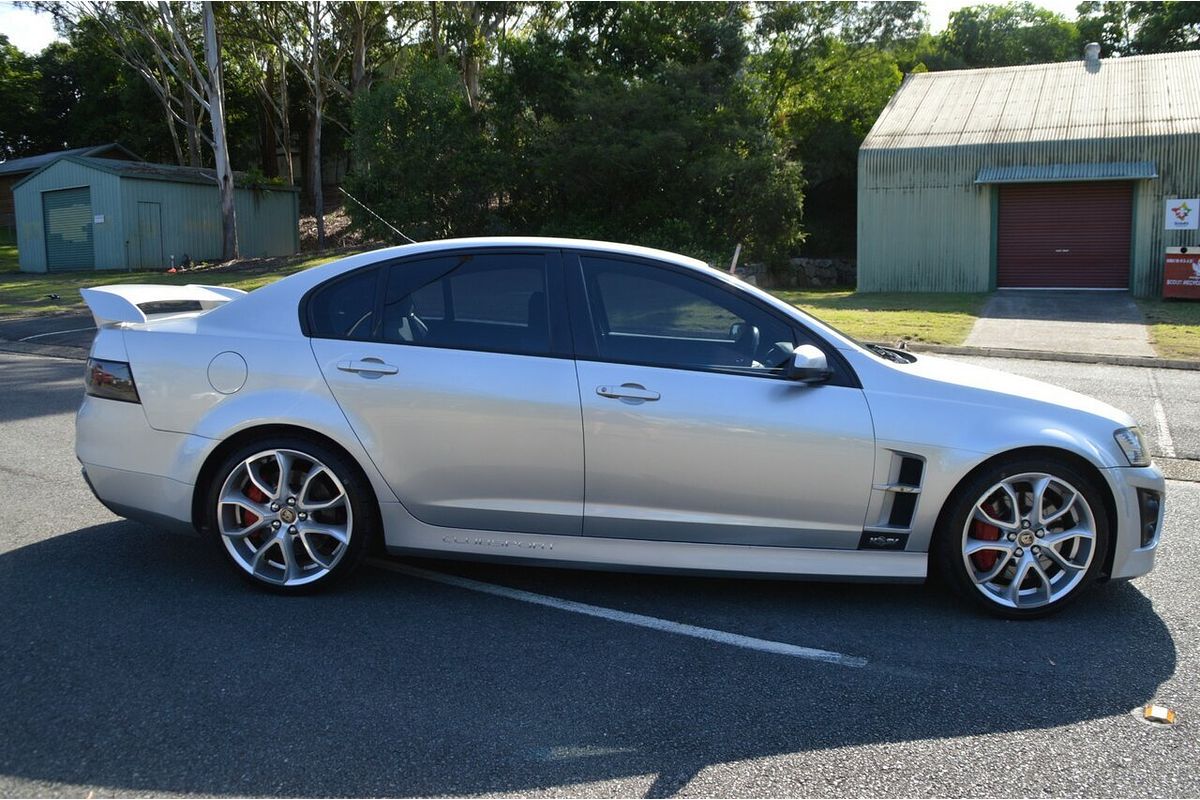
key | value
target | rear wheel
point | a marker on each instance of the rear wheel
(1024, 538)
(291, 514)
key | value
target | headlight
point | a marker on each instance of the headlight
(1134, 446)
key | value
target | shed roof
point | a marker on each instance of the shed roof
(142, 170)
(1153, 95)
(16, 166)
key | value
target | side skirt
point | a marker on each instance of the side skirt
(406, 535)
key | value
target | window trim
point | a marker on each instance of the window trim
(560, 331)
(584, 327)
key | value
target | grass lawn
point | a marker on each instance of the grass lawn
(1174, 327)
(888, 318)
(24, 294)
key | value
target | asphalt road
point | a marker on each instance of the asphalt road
(134, 663)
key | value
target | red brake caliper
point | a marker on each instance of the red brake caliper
(985, 560)
(255, 494)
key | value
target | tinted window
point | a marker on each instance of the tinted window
(344, 309)
(652, 315)
(478, 302)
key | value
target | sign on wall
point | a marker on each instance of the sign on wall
(1183, 214)
(1181, 278)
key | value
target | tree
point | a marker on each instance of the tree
(18, 102)
(1007, 35)
(803, 42)
(160, 43)
(1165, 27)
(419, 155)
(1140, 28)
(304, 34)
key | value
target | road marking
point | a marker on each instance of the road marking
(1165, 443)
(640, 620)
(57, 333)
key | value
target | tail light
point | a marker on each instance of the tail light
(111, 380)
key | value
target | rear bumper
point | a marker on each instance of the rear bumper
(150, 499)
(1130, 557)
(134, 470)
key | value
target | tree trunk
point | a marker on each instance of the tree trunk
(192, 130)
(285, 124)
(166, 104)
(216, 101)
(268, 127)
(358, 63)
(314, 133)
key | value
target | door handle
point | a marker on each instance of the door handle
(627, 391)
(368, 366)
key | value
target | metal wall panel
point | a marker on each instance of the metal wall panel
(107, 235)
(191, 220)
(1064, 235)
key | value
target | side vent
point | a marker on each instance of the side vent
(896, 504)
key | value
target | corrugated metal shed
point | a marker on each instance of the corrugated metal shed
(144, 215)
(927, 171)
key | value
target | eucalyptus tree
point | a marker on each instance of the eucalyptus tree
(175, 48)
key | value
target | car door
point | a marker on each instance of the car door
(692, 432)
(455, 372)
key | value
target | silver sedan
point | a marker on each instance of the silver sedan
(592, 404)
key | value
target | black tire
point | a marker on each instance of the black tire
(360, 507)
(951, 564)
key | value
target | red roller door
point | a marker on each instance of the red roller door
(1064, 235)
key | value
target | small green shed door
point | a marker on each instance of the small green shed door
(150, 235)
(67, 217)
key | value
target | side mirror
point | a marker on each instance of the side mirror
(808, 365)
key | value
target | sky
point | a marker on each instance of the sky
(31, 31)
(27, 30)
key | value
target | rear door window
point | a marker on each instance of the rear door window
(493, 302)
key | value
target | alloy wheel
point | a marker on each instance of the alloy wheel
(1029, 540)
(285, 517)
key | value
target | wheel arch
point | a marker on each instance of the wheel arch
(247, 435)
(1079, 462)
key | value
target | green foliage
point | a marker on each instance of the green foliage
(420, 156)
(631, 122)
(690, 126)
(18, 101)
(1007, 35)
(1140, 28)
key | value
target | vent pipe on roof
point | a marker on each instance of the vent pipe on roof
(1091, 55)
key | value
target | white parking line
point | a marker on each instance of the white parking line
(640, 620)
(1165, 443)
(57, 333)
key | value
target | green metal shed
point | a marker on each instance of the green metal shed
(1051, 175)
(97, 213)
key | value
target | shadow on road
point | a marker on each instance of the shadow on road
(135, 660)
(59, 387)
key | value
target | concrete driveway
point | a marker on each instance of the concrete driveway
(1096, 323)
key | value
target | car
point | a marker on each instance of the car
(590, 404)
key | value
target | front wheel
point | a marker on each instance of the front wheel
(1024, 538)
(291, 514)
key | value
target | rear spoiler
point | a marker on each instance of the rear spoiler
(122, 302)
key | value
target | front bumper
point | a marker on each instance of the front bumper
(1131, 558)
